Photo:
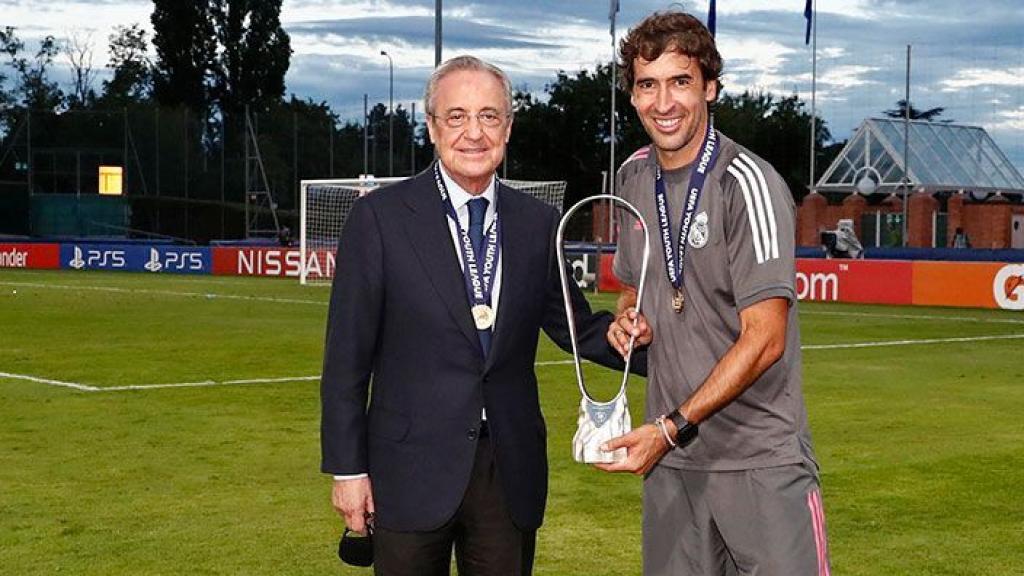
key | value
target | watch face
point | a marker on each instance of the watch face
(685, 432)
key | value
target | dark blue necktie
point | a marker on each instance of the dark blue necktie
(477, 210)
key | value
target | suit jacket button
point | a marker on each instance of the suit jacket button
(471, 434)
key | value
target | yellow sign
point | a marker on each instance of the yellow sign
(111, 178)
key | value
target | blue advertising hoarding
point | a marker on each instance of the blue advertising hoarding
(136, 258)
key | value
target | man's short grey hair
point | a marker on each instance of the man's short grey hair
(460, 63)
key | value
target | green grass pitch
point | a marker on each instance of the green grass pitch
(921, 444)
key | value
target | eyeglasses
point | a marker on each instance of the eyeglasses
(458, 118)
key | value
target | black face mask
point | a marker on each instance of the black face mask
(355, 549)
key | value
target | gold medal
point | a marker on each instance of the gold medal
(483, 316)
(678, 301)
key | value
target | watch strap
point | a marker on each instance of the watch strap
(686, 431)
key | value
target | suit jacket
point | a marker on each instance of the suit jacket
(400, 317)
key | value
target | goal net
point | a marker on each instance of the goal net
(325, 204)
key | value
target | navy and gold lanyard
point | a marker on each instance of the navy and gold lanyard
(675, 260)
(479, 282)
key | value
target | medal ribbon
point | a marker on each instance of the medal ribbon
(674, 260)
(479, 283)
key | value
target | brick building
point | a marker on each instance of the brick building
(957, 179)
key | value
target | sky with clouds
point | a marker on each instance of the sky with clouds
(966, 56)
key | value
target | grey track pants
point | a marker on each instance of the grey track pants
(762, 522)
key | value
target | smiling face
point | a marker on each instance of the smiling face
(471, 152)
(671, 98)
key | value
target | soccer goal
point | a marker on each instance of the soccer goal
(324, 205)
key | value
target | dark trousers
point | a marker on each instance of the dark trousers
(486, 541)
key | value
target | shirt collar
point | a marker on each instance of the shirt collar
(459, 196)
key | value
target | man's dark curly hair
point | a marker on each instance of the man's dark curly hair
(664, 31)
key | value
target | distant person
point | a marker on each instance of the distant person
(443, 283)
(960, 239)
(842, 242)
(730, 477)
(284, 236)
(846, 239)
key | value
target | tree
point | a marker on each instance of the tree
(6, 100)
(32, 84)
(77, 50)
(132, 80)
(567, 137)
(778, 130)
(183, 35)
(928, 115)
(253, 55)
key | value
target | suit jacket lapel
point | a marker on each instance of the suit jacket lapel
(513, 266)
(427, 228)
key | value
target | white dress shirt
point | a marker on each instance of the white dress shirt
(460, 201)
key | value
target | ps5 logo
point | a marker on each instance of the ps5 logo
(77, 263)
(95, 258)
(154, 264)
(173, 261)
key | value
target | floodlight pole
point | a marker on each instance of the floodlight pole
(124, 152)
(906, 149)
(437, 33)
(366, 135)
(612, 13)
(391, 113)
(814, 90)
(28, 136)
(412, 141)
(611, 115)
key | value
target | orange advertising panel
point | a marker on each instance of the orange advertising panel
(863, 281)
(902, 282)
(969, 284)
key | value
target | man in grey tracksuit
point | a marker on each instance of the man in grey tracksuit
(731, 481)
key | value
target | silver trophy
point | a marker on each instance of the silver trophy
(599, 422)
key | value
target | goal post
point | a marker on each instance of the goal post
(551, 192)
(324, 205)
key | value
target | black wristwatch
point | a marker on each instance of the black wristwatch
(685, 430)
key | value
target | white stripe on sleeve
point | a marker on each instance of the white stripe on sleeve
(758, 207)
(769, 208)
(755, 234)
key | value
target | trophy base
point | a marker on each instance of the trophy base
(598, 423)
(594, 455)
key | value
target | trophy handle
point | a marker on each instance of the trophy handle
(568, 301)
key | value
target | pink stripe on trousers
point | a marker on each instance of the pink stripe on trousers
(820, 538)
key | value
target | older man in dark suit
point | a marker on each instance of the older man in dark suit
(443, 284)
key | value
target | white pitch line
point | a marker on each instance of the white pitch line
(209, 295)
(211, 383)
(912, 316)
(212, 295)
(271, 380)
(910, 342)
(50, 382)
(183, 278)
(205, 383)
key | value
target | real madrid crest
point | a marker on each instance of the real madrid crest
(699, 231)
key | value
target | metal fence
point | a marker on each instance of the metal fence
(187, 175)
